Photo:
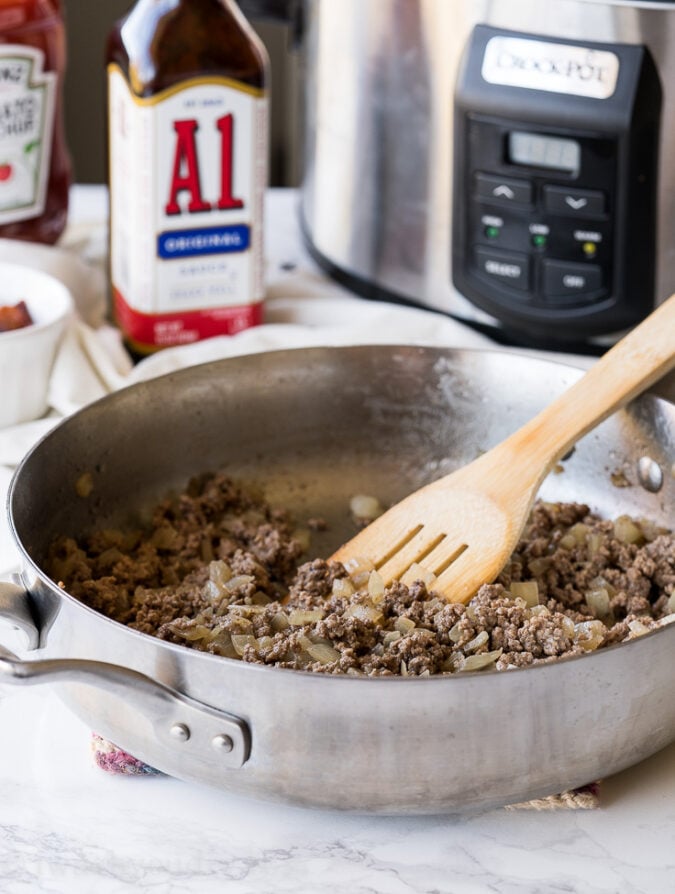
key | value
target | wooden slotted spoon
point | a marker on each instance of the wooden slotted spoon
(463, 527)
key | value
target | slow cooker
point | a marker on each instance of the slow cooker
(508, 162)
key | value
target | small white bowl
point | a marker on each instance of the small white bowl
(27, 355)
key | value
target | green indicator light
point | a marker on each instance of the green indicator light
(539, 241)
(492, 232)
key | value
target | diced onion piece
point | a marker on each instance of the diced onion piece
(375, 586)
(359, 569)
(265, 642)
(343, 587)
(357, 564)
(453, 663)
(241, 640)
(670, 605)
(539, 565)
(480, 640)
(193, 633)
(279, 622)
(212, 591)
(527, 590)
(404, 625)
(238, 582)
(567, 541)
(479, 662)
(84, 485)
(637, 628)
(223, 645)
(365, 507)
(391, 637)
(589, 634)
(455, 633)
(579, 531)
(626, 530)
(219, 574)
(598, 601)
(364, 613)
(599, 582)
(404, 669)
(594, 544)
(650, 530)
(418, 572)
(568, 627)
(298, 617)
(322, 653)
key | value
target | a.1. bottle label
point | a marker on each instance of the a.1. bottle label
(187, 180)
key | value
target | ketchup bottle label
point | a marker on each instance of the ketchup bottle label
(27, 104)
(187, 179)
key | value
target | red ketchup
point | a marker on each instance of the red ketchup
(35, 166)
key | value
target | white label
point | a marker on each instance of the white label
(554, 67)
(570, 281)
(187, 177)
(27, 103)
(587, 236)
(512, 271)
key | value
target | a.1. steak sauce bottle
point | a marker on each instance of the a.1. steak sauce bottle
(187, 134)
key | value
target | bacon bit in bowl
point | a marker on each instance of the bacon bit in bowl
(14, 316)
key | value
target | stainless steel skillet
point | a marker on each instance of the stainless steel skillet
(315, 426)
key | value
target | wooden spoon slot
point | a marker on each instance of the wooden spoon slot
(439, 569)
(398, 546)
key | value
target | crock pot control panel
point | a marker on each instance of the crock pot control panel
(555, 177)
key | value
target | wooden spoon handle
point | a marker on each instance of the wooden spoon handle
(637, 361)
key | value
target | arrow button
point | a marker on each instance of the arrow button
(574, 203)
(503, 190)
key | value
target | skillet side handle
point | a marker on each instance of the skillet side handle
(15, 608)
(151, 720)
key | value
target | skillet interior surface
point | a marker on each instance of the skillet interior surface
(315, 426)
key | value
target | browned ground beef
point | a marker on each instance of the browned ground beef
(217, 570)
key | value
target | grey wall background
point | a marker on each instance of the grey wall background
(88, 23)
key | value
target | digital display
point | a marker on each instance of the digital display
(541, 151)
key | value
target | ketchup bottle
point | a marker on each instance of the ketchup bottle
(187, 124)
(35, 166)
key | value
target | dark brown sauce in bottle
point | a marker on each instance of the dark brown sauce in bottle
(172, 40)
(37, 24)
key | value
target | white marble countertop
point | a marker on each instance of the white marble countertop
(66, 826)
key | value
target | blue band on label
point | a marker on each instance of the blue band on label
(206, 241)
